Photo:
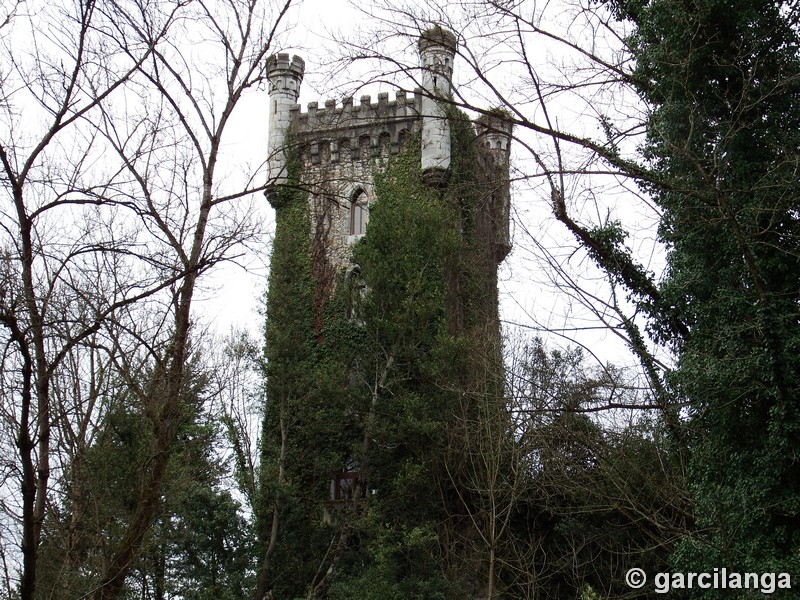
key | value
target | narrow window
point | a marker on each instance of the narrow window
(354, 291)
(344, 149)
(346, 486)
(359, 213)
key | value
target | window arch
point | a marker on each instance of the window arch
(359, 213)
(402, 138)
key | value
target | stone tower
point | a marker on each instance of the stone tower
(285, 77)
(437, 48)
(382, 331)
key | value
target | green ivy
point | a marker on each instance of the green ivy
(389, 380)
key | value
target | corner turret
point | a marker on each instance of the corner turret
(437, 48)
(285, 76)
(494, 147)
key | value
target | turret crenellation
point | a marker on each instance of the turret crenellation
(494, 133)
(494, 142)
(437, 37)
(285, 74)
(374, 185)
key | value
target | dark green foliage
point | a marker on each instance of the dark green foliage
(462, 491)
(595, 501)
(198, 548)
(409, 391)
(723, 81)
(395, 565)
(103, 488)
(305, 397)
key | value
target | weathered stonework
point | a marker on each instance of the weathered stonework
(404, 352)
(494, 139)
(285, 77)
(342, 146)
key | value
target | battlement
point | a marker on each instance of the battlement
(437, 37)
(342, 144)
(331, 117)
(282, 64)
(494, 131)
(367, 126)
(492, 123)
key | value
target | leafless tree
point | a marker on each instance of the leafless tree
(551, 500)
(115, 119)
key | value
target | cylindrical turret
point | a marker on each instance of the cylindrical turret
(285, 76)
(494, 146)
(437, 48)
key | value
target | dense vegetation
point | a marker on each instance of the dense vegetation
(462, 479)
(722, 80)
(373, 390)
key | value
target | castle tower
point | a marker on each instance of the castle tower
(437, 49)
(285, 77)
(382, 329)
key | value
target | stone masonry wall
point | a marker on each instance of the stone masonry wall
(341, 147)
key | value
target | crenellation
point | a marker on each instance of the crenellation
(437, 49)
(282, 62)
(339, 150)
(404, 105)
(494, 131)
(386, 123)
(285, 75)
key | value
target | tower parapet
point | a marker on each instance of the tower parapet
(429, 257)
(285, 76)
(437, 48)
(494, 143)
(364, 130)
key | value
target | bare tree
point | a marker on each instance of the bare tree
(115, 116)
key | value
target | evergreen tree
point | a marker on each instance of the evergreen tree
(723, 81)
(198, 547)
(366, 383)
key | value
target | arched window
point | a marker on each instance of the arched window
(344, 150)
(359, 213)
(364, 147)
(355, 290)
(384, 143)
(402, 138)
